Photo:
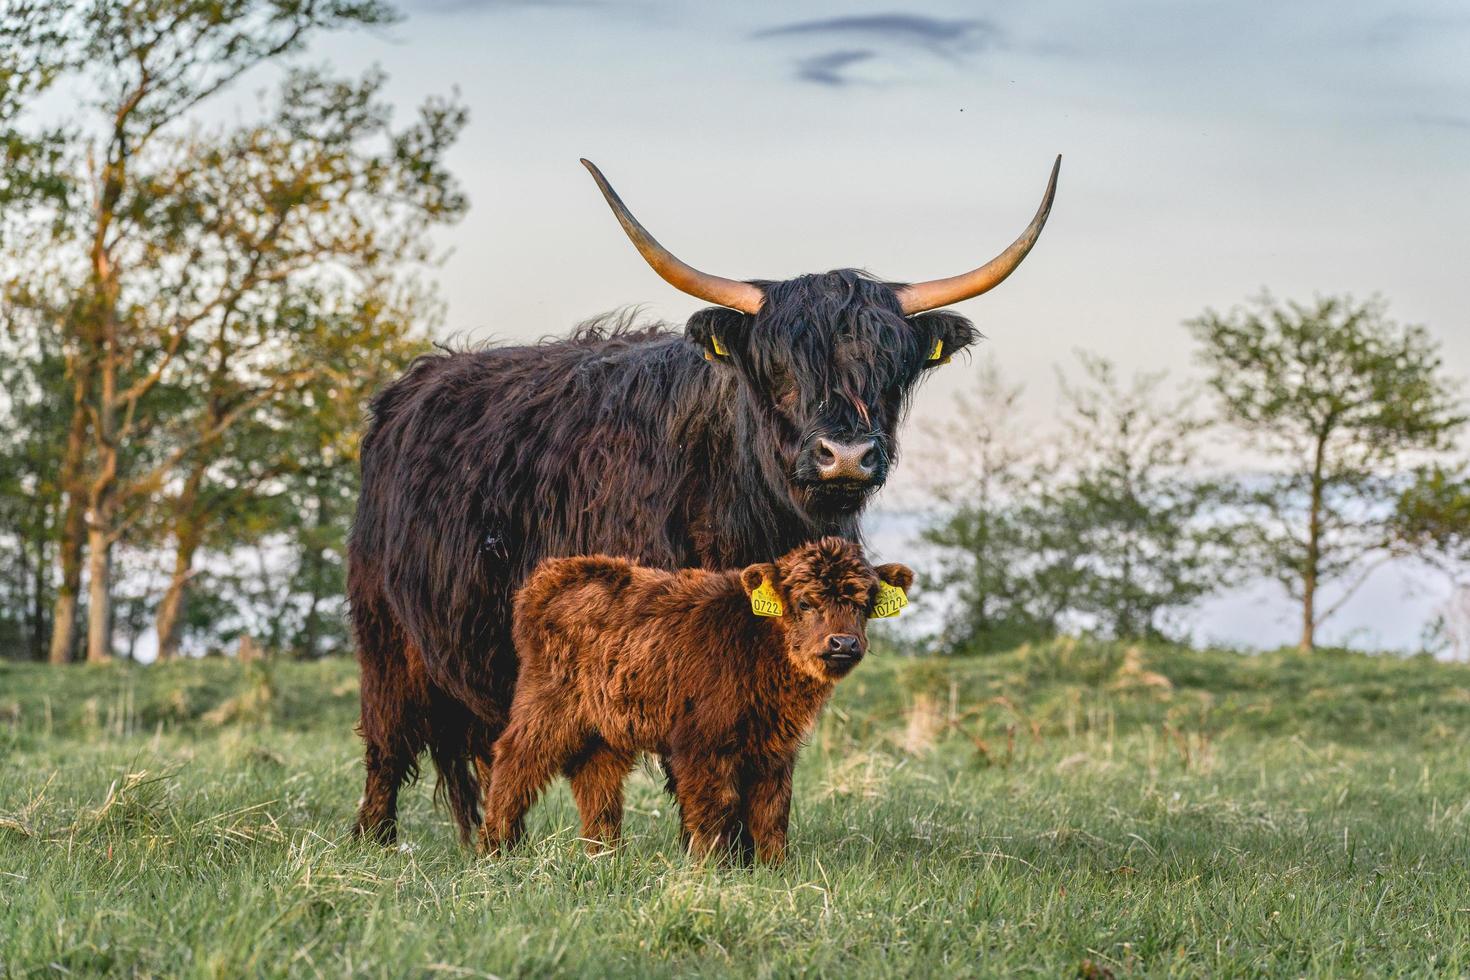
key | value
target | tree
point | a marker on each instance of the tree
(1108, 529)
(1145, 525)
(288, 477)
(1432, 521)
(1000, 583)
(1341, 398)
(189, 240)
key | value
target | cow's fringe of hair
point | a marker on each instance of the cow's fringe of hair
(457, 788)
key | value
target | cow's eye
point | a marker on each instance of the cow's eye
(783, 386)
(804, 605)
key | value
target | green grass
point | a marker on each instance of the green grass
(1070, 809)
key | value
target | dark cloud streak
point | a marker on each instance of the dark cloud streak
(826, 69)
(949, 40)
(946, 38)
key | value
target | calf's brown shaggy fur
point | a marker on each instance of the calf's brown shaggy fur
(617, 658)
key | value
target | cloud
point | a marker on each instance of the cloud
(942, 37)
(950, 40)
(826, 69)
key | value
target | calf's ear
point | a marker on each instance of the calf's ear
(945, 333)
(896, 574)
(717, 332)
(752, 576)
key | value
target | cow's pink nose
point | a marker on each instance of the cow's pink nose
(846, 460)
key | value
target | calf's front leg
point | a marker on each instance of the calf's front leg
(766, 810)
(708, 802)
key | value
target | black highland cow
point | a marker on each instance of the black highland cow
(767, 423)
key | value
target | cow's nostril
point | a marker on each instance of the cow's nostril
(846, 460)
(842, 643)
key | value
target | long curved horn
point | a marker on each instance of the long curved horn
(736, 295)
(935, 293)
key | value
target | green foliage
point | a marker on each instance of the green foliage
(996, 559)
(32, 424)
(225, 296)
(1147, 811)
(1433, 515)
(1341, 398)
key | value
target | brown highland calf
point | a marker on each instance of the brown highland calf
(617, 658)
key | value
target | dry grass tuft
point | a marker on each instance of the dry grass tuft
(1133, 675)
(925, 722)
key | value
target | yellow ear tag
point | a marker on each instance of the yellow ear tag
(890, 600)
(937, 354)
(764, 601)
(714, 341)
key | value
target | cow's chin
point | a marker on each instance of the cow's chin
(834, 499)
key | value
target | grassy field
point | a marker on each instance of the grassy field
(1074, 809)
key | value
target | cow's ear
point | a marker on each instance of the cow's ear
(752, 576)
(945, 334)
(895, 574)
(717, 332)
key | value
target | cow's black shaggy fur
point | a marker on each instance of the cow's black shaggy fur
(617, 439)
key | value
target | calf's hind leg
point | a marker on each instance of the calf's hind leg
(526, 757)
(597, 774)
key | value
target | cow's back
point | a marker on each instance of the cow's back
(479, 464)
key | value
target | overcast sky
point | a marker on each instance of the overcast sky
(1210, 150)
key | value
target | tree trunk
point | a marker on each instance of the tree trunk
(99, 596)
(73, 528)
(64, 619)
(171, 610)
(101, 515)
(1311, 567)
(38, 602)
(188, 531)
(1308, 642)
(311, 629)
(102, 337)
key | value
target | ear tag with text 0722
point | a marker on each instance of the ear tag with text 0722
(890, 600)
(764, 601)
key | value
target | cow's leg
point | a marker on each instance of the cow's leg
(708, 801)
(766, 809)
(377, 815)
(597, 774)
(534, 748)
(479, 689)
(395, 709)
(456, 739)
